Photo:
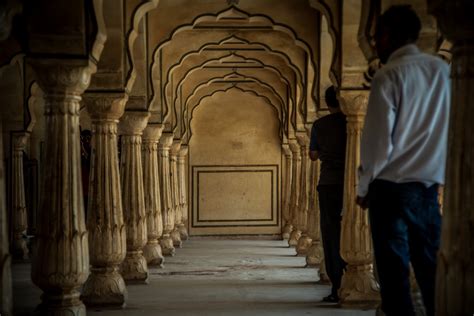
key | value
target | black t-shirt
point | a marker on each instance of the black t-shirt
(328, 138)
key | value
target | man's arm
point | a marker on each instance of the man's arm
(376, 143)
(313, 144)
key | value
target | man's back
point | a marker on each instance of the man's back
(409, 109)
(328, 138)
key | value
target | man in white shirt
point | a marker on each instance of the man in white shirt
(403, 156)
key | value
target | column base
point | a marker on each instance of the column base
(64, 304)
(323, 275)
(303, 245)
(176, 237)
(183, 232)
(20, 248)
(134, 268)
(294, 237)
(286, 231)
(152, 253)
(167, 246)
(359, 288)
(105, 288)
(315, 254)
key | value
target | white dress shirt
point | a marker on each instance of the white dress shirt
(406, 128)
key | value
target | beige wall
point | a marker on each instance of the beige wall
(235, 152)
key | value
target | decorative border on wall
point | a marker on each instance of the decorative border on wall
(271, 221)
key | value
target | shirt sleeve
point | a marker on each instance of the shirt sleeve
(313, 144)
(376, 142)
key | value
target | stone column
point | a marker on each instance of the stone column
(287, 226)
(183, 152)
(455, 275)
(5, 258)
(132, 124)
(152, 250)
(295, 192)
(315, 252)
(166, 202)
(18, 203)
(358, 287)
(175, 233)
(305, 241)
(107, 241)
(60, 263)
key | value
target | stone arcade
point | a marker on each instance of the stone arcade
(200, 113)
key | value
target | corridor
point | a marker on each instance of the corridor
(215, 277)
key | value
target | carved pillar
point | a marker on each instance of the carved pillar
(132, 124)
(358, 284)
(152, 250)
(455, 275)
(295, 192)
(288, 227)
(305, 241)
(315, 252)
(175, 234)
(19, 217)
(166, 202)
(60, 262)
(107, 241)
(5, 258)
(183, 196)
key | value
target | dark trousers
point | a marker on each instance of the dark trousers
(330, 205)
(406, 227)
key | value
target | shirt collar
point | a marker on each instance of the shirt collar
(409, 49)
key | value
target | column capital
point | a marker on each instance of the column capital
(105, 105)
(302, 139)
(175, 147)
(286, 149)
(166, 140)
(294, 146)
(133, 122)
(19, 140)
(354, 102)
(152, 132)
(58, 76)
(454, 18)
(183, 151)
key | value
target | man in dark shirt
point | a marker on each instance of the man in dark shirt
(328, 144)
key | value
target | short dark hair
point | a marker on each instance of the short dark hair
(401, 22)
(331, 97)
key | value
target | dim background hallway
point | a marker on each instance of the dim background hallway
(215, 277)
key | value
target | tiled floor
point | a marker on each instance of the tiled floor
(216, 277)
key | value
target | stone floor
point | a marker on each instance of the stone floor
(215, 277)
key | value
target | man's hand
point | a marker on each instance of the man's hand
(363, 202)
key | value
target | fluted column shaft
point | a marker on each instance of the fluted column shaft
(167, 206)
(175, 234)
(151, 138)
(132, 124)
(5, 258)
(304, 242)
(287, 225)
(455, 275)
(295, 192)
(60, 262)
(315, 253)
(358, 284)
(18, 202)
(183, 195)
(105, 286)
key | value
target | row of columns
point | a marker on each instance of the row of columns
(137, 207)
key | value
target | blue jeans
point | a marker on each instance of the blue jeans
(406, 227)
